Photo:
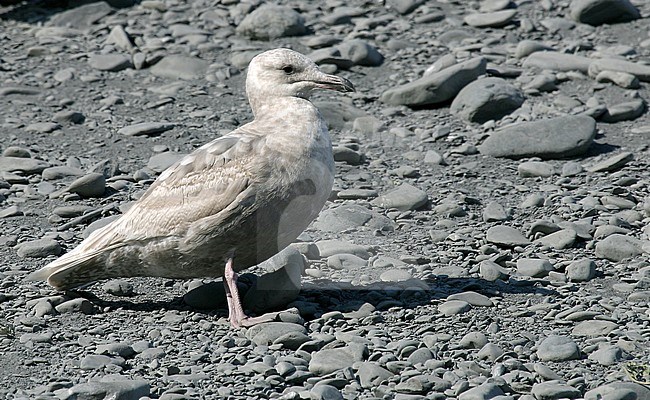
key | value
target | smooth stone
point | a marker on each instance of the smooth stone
(506, 236)
(331, 247)
(325, 392)
(533, 267)
(473, 298)
(352, 216)
(119, 287)
(16, 151)
(272, 21)
(494, 19)
(612, 163)
(553, 390)
(121, 349)
(494, 212)
(207, 296)
(627, 111)
(39, 248)
(89, 185)
(72, 211)
(347, 155)
(484, 391)
(559, 137)
(473, 340)
(594, 328)
(437, 87)
(453, 307)
(559, 240)
(43, 127)
(69, 117)
(81, 17)
(404, 198)
(598, 12)
(581, 270)
(527, 47)
(78, 305)
(491, 271)
(109, 62)
(618, 391)
(118, 389)
(162, 161)
(607, 355)
(372, 374)
(327, 361)
(640, 71)
(146, 129)
(268, 332)
(556, 61)
(360, 53)
(617, 247)
(11, 211)
(19, 164)
(345, 262)
(558, 348)
(572, 168)
(180, 67)
(622, 79)
(532, 169)
(490, 352)
(486, 99)
(61, 171)
(395, 275)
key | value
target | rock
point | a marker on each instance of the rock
(180, 67)
(404, 197)
(618, 391)
(556, 61)
(121, 349)
(11, 211)
(612, 163)
(437, 87)
(89, 185)
(598, 12)
(420, 356)
(594, 328)
(352, 216)
(473, 340)
(558, 348)
(107, 387)
(531, 169)
(640, 71)
(268, 332)
(16, 151)
(494, 212)
(581, 270)
(208, 296)
(69, 117)
(395, 275)
(484, 391)
(43, 127)
(622, 79)
(280, 285)
(345, 261)
(327, 361)
(528, 47)
(121, 39)
(494, 19)
(270, 21)
(486, 99)
(372, 375)
(553, 390)
(618, 247)
(607, 355)
(347, 155)
(491, 271)
(454, 307)
(146, 129)
(533, 267)
(506, 236)
(624, 111)
(325, 392)
(75, 306)
(360, 53)
(559, 137)
(61, 171)
(338, 114)
(81, 17)
(559, 240)
(28, 166)
(162, 161)
(328, 248)
(39, 248)
(119, 287)
(109, 62)
(473, 298)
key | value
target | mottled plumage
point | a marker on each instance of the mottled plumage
(241, 198)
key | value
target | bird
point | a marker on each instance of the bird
(231, 203)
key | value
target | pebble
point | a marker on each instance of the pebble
(109, 62)
(27, 165)
(558, 348)
(437, 87)
(89, 185)
(162, 161)
(559, 240)
(491, 271)
(607, 355)
(612, 163)
(352, 216)
(484, 391)
(331, 247)
(272, 21)
(43, 127)
(531, 169)
(146, 129)
(559, 137)
(618, 247)
(78, 305)
(327, 361)
(40, 248)
(618, 391)
(486, 99)
(325, 392)
(533, 267)
(581, 270)
(556, 61)
(110, 387)
(119, 287)
(494, 212)
(593, 328)
(454, 307)
(372, 374)
(493, 19)
(591, 11)
(268, 332)
(180, 67)
(506, 236)
(404, 197)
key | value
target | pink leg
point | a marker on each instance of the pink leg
(236, 314)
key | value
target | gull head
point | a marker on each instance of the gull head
(287, 73)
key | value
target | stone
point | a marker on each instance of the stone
(622, 79)
(40, 248)
(558, 348)
(486, 99)
(119, 287)
(360, 53)
(331, 247)
(554, 138)
(78, 305)
(325, 392)
(493, 19)
(618, 391)
(473, 298)
(395, 275)
(117, 388)
(491, 271)
(533, 267)
(327, 361)
(404, 197)
(594, 328)
(559, 240)
(280, 285)
(528, 47)
(81, 17)
(638, 70)
(352, 216)
(180, 67)
(554, 390)
(146, 129)
(268, 332)
(345, 261)
(437, 87)
(89, 185)
(20, 164)
(532, 169)
(581, 270)
(607, 355)
(626, 111)
(494, 212)
(506, 236)
(598, 12)
(612, 163)
(556, 61)
(43, 127)
(454, 307)
(68, 117)
(372, 374)
(270, 21)
(162, 161)
(484, 391)
(618, 247)
(109, 62)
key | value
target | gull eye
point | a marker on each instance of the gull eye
(288, 69)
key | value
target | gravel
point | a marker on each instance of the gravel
(486, 237)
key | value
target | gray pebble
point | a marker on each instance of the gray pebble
(39, 248)
(89, 185)
(506, 236)
(558, 348)
(486, 99)
(533, 267)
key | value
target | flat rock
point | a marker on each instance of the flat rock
(618, 391)
(89, 185)
(558, 348)
(473, 298)
(556, 61)
(454, 307)
(360, 52)
(109, 62)
(345, 261)
(331, 247)
(486, 99)
(506, 236)
(491, 271)
(559, 240)
(598, 12)
(559, 137)
(61, 171)
(81, 17)
(180, 67)
(372, 374)
(612, 163)
(146, 129)
(162, 161)
(327, 361)
(641, 71)
(626, 111)
(43, 127)
(553, 390)
(532, 169)
(533, 267)
(118, 389)
(39, 248)
(618, 247)
(268, 332)
(493, 19)
(351, 216)
(594, 328)
(437, 87)
(581, 270)
(272, 21)
(484, 391)
(404, 197)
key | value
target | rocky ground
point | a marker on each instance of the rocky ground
(461, 255)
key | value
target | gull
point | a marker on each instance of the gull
(230, 204)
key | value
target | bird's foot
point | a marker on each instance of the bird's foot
(245, 321)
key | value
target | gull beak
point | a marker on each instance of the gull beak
(333, 82)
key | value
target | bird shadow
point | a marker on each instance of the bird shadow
(323, 296)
